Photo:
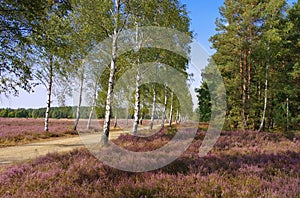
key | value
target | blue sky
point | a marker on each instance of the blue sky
(203, 15)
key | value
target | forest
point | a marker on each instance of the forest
(257, 52)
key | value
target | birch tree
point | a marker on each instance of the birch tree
(119, 21)
(51, 49)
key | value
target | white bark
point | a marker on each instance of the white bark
(177, 114)
(116, 121)
(153, 109)
(163, 117)
(137, 86)
(127, 109)
(104, 138)
(137, 104)
(106, 127)
(93, 107)
(49, 92)
(171, 110)
(80, 96)
(265, 101)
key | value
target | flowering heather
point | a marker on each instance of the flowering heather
(21, 130)
(242, 164)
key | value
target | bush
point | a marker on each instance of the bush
(4, 113)
(11, 114)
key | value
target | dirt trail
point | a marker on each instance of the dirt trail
(14, 154)
(9, 155)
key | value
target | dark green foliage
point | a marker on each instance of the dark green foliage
(258, 41)
(56, 112)
(204, 102)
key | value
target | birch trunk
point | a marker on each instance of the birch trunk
(171, 110)
(265, 101)
(137, 104)
(93, 107)
(110, 90)
(104, 137)
(244, 90)
(90, 118)
(49, 92)
(153, 109)
(164, 109)
(116, 121)
(137, 86)
(80, 97)
(127, 109)
(177, 114)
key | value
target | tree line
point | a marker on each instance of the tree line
(69, 112)
(258, 53)
(56, 112)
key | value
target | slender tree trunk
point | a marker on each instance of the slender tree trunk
(249, 66)
(171, 110)
(137, 86)
(93, 107)
(265, 102)
(116, 121)
(49, 92)
(153, 108)
(80, 97)
(104, 137)
(257, 111)
(177, 118)
(110, 90)
(244, 98)
(141, 120)
(165, 108)
(137, 103)
(90, 118)
(127, 109)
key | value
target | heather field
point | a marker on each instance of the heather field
(16, 131)
(242, 164)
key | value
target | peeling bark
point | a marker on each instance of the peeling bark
(137, 87)
(116, 31)
(49, 92)
(137, 104)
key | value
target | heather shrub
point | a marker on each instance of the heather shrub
(14, 131)
(242, 164)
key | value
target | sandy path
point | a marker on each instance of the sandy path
(14, 154)
(20, 153)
